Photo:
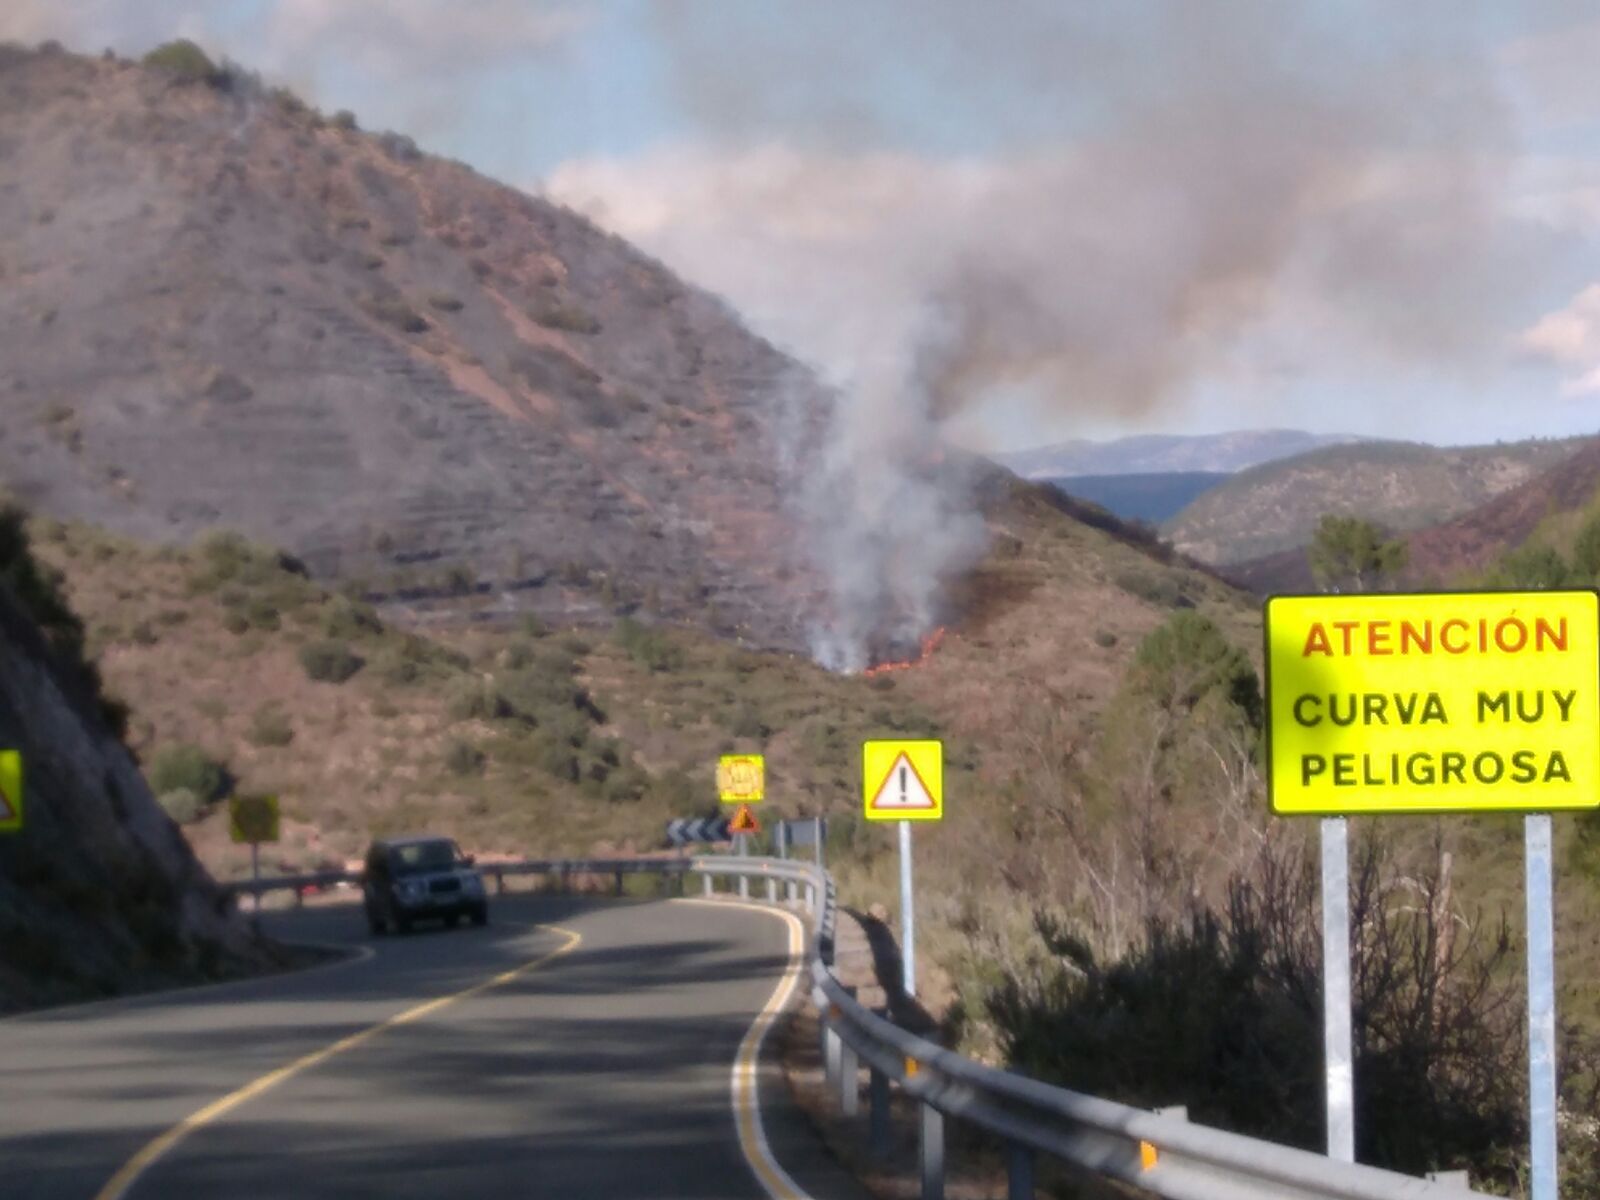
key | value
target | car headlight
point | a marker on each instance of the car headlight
(410, 889)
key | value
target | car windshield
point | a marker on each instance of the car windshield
(425, 856)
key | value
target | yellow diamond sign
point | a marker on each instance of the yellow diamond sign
(253, 819)
(902, 781)
(1433, 702)
(741, 778)
(10, 791)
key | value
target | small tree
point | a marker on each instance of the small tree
(1586, 552)
(1350, 554)
(329, 661)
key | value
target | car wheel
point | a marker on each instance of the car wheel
(480, 915)
(376, 925)
(451, 920)
(402, 924)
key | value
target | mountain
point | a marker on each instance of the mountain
(99, 892)
(1400, 485)
(1161, 453)
(221, 308)
(1151, 497)
(1449, 552)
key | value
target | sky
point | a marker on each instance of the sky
(1041, 220)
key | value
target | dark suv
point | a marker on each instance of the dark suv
(414, 878)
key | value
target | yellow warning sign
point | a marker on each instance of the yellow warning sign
(10, 791)
(253, 819)
(741, 778)
(1433, 702)
(744, 821)
(902, 781)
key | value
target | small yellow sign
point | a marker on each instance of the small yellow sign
(10, 791)
(744, 821)
(253, 819)
(1433, 702)
(741, 778)
(902, 781)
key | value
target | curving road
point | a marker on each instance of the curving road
(572, 1049)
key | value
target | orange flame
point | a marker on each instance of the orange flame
(929, 645)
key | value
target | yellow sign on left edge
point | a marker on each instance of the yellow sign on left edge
(10, 791)
(741, 778)
(253, 819)
(1433, 702)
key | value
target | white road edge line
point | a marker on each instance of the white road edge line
(746, 1077)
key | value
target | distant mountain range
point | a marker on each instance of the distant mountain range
(1160, 453)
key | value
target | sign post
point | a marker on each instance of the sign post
(1336, 1037)
(1541, 1008)
(904, 782)
(741, 780)
(253, 819)
(1442, 702)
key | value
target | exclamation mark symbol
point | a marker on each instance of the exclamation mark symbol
(904, 799)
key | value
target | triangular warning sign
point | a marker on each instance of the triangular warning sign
(744, 821)
(902, 789)
(8, 811)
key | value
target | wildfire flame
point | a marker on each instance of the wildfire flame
(929, 645)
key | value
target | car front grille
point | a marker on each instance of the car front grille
(439, 887)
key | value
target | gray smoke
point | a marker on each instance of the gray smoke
(1180, 178)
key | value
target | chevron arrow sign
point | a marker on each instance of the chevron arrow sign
(684, 830)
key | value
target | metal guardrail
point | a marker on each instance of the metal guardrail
(1160, 1153)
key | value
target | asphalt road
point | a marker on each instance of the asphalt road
(590, 1056)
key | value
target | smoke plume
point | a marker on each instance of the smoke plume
(1169, 193)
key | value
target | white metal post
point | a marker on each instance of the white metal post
(255, 872)
(1541, 1008)
(1336, 1042)
(908, 924)
(816, 843)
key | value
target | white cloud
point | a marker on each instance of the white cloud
(1570, 338)
(1554, 75)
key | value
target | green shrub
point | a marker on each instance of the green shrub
(235, 621)
(1105, 639)
(1159, 589)
(463, 758)
(182, 805)
(747, 723)
(1586, 552)
(647, 646)
(395, 668)
(188, 767)
(343, 617)
(329, 661)
(568, 318)
(344, 119)
(270, 727)
(185, 62)
(1533, 567)
(444, 302)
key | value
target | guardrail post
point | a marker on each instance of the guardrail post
(744, 887)
(706, 880)
(772, 891)
(878, 1118)
(1019, 1172)
(811, 898)
(932, 1153)
(849, 1080)
(619, 883)
(789, 891)
(499, 883)
(299, 897)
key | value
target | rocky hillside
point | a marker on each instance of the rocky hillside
(222, 308)
(1400, 485)
(99, 892)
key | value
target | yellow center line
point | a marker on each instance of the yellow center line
(152, 1151)
(747, 1064)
